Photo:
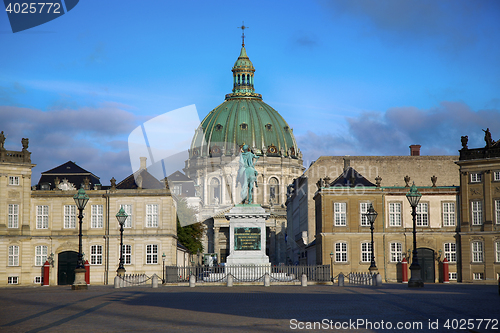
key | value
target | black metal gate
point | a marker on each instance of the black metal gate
(66, 264)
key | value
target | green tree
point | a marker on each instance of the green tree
(191, 233)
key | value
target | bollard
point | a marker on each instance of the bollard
(117, 281)
(304, 280)
(154, 279)
(192, 281)
(267, 280)
(341, 280)
(230, 279)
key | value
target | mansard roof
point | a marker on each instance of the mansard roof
(70, 171)
(350, 177)
(144, 178)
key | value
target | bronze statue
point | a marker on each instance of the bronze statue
(247, 175)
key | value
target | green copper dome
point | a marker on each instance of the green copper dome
(243, 119)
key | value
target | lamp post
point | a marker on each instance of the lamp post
(371, 215)
(121, 216)
(81, 199)
(163, 256)
(413, 197)
(331, 261)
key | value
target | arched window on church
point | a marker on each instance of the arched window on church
(214, 191)
(274, 190)
(239, 79)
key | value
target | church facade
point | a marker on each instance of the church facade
(243, 119)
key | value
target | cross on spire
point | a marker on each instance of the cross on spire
(243, 33)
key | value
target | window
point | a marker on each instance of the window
(450, 252)
(448, 214)
(477, 212)
(395, 214)
(40, 255)
(422, 215)
(496, 176)
(42, 217)
(340, 252)
(96, 255)
(340, 209)
(478, 276)
(13, 280)
(14, 255)
(127, 254)
(274, 190)
(477, 252)
(13, 216)
(13, 180)
(214, 191)
(128, 210)
(151, 215)
(475, 177)
(366, 252)
(37, 280)
(497, 252)
(452, 276)
(497, 211)
(151, 254)
(363, 209)
(96, 217)
(396, 252)
(177, 190)
(69, 216)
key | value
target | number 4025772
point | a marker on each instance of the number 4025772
(34, 8)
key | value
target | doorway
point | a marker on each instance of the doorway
(66, 264)
(427, 267)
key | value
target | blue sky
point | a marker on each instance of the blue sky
(357, 77)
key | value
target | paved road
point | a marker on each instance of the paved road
(248, 308)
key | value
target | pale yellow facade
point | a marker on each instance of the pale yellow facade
(393, 237)
(37, 225)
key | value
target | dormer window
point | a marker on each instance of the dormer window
(286, 128)
(244, 126)
(269, 127)
(218, 127)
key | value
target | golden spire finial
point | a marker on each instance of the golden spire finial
(243, 33)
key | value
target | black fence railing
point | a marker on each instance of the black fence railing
(247, 273)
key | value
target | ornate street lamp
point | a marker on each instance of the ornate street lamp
(81, 199)
(413, 197)
(121, 216)
(371, 215)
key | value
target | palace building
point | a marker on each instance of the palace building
(40, 223)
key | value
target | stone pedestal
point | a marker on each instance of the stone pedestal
(247, 236)
(79, 283)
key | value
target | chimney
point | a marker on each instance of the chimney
(415, 150)
(143, 163)
(347, 162)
